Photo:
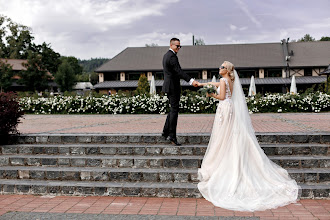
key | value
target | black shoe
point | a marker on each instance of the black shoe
(174, 141)
(164, 135)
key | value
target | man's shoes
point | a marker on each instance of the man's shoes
(174, 141)
(164, 135)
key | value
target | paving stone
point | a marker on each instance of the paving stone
(100, 176)
(156, 162)
(324, 177)
(125, 150)
(38, 150)
(9, 150)
(284, 151)
(321, 193)
(310, 177)
(139, 150)
(33, 161)
(8, 188)
(78, 162)
(109, 163)
(69, 139)
(11, 174)
(284, 138)
(300, 138)
(140, 163)
(54, 189)
(64, 150)
(41, 139)
(131, 191)
(181, 177)
(170, 150)
(302, 151)
(193, 193)
(51, 150)
(319, 150)
(179, 193)
(121, 139)
(85, 175)
(119, 176)
(54, 139)
(325, 138)
(98, 139)
(194, 177)
(148, 192)
(153, 150)
(164, 192)
(25, 150)
(172, 163)
(125, 162)
(135, 176)
(37, 174)
(182, 139)
(314, 139)
(63, 161)
(269, 150)
(23, 174)
(309, 163)
(100, 191)
(30, 139)
(205, 139)
(186, 150)
(324, 163)
(200, 151)
(114, 191)
(77, 150)
(38, 189)
(48, 161)
(70, 175)
(149, 139)
(297, 177)
(17, 161)
(134, 139)
(22, 188)
(84, 139)
(190, 163)
(108, 150)
(290, 163)
(150, 177)
(194, 139)
(93, 162)
(53, 175)
(165, 177)
(68, 190)
(92, 150)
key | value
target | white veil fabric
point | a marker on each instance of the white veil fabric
(236, 174)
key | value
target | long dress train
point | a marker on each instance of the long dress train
(235, 173)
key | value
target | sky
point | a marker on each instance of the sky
(103, 28)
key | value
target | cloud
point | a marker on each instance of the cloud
(246, 10)
(232, 27)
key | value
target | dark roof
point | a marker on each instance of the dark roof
(309, 54)
(263, 55)
(198, 57)
(244, 81)
(16, 64)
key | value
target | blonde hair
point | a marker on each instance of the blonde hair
(230, 69)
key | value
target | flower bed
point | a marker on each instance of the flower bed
(144, 104)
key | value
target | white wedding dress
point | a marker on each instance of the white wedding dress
(235, 173)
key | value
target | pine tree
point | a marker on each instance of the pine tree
(143, 85)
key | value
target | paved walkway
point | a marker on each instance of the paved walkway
(146, 207)
(188, 123)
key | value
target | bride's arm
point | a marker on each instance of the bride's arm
(217, 84)
(222, 94)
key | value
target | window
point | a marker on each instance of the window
(273, 72)
(159, 76)
(111, 76)
(248, 73)
(134, 75)
(194, 74)
(308, 72)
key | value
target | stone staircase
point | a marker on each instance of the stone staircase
(145, 165)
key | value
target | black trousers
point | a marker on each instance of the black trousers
(172, 117)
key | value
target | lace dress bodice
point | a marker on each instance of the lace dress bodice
(228, 93)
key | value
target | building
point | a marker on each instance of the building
(272, 64)
(17, 66)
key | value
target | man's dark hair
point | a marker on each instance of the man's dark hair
(174, 39)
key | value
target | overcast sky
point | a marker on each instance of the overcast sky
(103, 28)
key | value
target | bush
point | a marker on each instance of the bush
(9, 116)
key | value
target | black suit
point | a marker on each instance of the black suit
(172, 75)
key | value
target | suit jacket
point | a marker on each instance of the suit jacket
(172, 73)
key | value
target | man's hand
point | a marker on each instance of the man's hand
(195, 83)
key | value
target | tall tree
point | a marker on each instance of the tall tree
(15, 39)
(50, 59)
(199, 41)
(36, 77)
(74, 63)
(94, 79)
(6, 75)
(143, 85)
(65, 76)
(325, 39)
(306, 38)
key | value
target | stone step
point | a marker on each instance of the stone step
(156, 149)
(153, 161)
(146, 189)
(315, 175)
(198, 138)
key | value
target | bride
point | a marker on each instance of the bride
(235, 173)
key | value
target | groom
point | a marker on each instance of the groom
(172, 75)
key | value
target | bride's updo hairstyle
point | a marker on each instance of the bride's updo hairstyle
(230, 69)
